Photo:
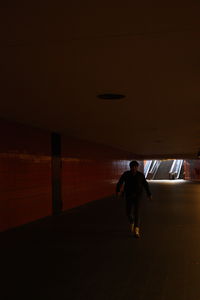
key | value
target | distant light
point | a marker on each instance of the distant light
(167, 181)
(111, 96)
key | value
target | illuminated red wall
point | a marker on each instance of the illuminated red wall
(25, 175)
(192, 169)
(89, 172)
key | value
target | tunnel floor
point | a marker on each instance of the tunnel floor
(89, 252)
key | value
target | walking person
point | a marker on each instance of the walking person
(134, 182)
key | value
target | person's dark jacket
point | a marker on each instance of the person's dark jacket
(133, 184)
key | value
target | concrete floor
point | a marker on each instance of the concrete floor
(88, 253)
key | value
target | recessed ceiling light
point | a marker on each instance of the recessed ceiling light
(111, 96)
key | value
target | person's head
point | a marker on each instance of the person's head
(134, 166)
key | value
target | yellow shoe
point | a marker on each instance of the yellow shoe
(132, 227)
(137, 232)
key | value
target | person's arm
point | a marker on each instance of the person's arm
(146, 187)
(119, 185)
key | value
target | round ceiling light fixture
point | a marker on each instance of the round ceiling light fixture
(111, 96)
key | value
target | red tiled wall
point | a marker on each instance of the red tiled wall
(89, 172)
(25, 174)
(87, 180)
(192, 169)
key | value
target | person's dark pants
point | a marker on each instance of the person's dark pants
(133, 210)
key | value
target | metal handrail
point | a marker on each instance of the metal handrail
(176, 168)
(147, 167)
(154, 168)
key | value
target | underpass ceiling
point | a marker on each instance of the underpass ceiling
(56, 57)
